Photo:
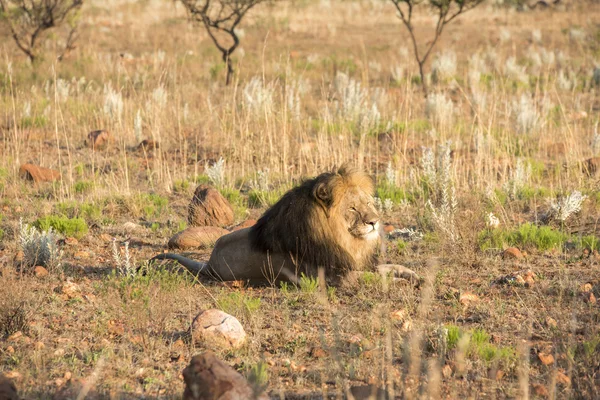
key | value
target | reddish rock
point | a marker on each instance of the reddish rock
(246, 224)
(540, 390)
(38, 174)
(40, 271)
(563, 379)
(196, 237)
(209, 208)
(208, 378)
(99, 139)
(388, 228)
(8, 390)
(545, 358)
(512, 253)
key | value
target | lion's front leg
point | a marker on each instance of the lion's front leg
(399, 272)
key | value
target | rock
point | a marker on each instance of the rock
(69, 289)
(545, 358)
(148, 145)
(447, 371)
(586, 287)
(131, 226)
(591, 166)
(14, 337)
(540, 390)
(71, 241)
(246, 224)
(99, 139)
(8, 390)
(318, 352)
(38, 174)
(209, 208)
(512, 253)
(80, 255)
(468, 298)
(208, 378)
(196, 237)
(40, 271)
(551, 323)
(215, 327)
(589, 297)
(388, 228)
(563, 379)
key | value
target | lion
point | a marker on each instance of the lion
(328, 222)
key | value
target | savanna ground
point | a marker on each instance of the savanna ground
(512, 115)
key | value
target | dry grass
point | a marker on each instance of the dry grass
(318, 84)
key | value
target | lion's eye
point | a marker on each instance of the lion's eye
(369, 204)
(352, 209)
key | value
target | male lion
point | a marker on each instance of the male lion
(328, 222)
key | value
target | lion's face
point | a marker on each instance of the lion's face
(359, 214)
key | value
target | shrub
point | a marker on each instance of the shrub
(75, 227)
(39, 248)
(83, 187)
(527, 235)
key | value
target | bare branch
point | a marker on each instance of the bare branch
(221, 17)
(29, 20)
(444, 16)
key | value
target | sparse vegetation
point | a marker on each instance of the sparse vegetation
(500, 154)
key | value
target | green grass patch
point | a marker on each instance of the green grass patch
(238, 304)
(262, 198)
(75, 227)
(181, 186)
(396, 194)
(525, 236)
(81, 187)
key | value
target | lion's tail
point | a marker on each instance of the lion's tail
(195, 267)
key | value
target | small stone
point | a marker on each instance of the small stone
(388, 228)
(216, 328)
(540, 390)
(40, 271)
(196, 237)
(209, 208)
(563, 379)
(468, 298)
(70, 289)
(106, 238)
(178, 344)
(500, 374)
(398, 315)
(71, 241)
(318, 352)
(15, 336)
(59, 352)
(519, 280)
(19, 256)
(38, 174)
(586, 287)
(546, 359)
(447, 371)
(81, 255)
(39, 345)
(589, 298)
(551, 323)
(10, 349)
(99, 139)
(512, 253)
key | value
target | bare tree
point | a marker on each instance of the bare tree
(446, 11)
(221, 17)
(28, 20)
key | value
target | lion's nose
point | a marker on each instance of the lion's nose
(373, 223)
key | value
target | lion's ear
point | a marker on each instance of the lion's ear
(323, 195)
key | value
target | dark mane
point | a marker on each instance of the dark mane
(290, 227)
